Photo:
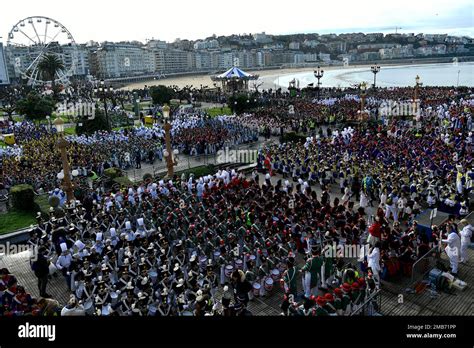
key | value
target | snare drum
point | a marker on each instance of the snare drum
(275, 275)
(151, 310)
(256, 289)
(114, 297)
(202, 262)
(105, 310)
(239, 264)
(89, 307)
(153, 276)
(269, 284)
(228, 270)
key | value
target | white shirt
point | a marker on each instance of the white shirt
(466, 234)
(373, 259)
(453, 240)
(64, 261)
(75, 311)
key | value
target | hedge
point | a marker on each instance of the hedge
(292, 137)
(23, 197)
(112, 173)
(123, 181)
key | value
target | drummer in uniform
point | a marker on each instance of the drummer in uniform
(289, 277)
(311, 270)
(346, 299)
(211, 279)
(320, 310)
(338, 301)
(329, 306)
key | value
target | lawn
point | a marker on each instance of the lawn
(14, 220)
(213, 112)
(70, 131)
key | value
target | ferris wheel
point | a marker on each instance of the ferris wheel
(34, 38)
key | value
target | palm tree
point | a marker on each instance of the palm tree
(49, 67)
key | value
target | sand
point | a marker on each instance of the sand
(266, 76)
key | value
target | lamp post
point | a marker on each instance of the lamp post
(375, 70)
(136, 104)
(103, 92)
(418, 84)
(65, 174)
(319, 73)
(363, 93)
(168, 153)
(416, 100)
(48, 118)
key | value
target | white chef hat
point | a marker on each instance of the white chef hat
(140, 222)
(98, 238)
(113, 233)
(79, 245)
(128, 225)
(63, 247)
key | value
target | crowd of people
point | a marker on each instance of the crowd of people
(35, 158)
(207, 246)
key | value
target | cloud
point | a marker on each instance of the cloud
(125, 20)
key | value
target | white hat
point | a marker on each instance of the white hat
(98, 238)
(144, 281)
(140, 222)
(63, 247)
(113, 233)
(128, 225)
(79, 245)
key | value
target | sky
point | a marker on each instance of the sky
(125, 20)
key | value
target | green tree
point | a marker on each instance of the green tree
(35, 106)
(241, 103)
(87, 126)
(161, 94)
(49, 67)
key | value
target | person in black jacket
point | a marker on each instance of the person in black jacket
(241, 287)
(41, 268)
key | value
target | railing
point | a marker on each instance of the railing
(371, 307)
(423, 265)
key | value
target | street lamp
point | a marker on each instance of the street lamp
(103, 92)
(417, 87)
(319, 73)
(375, 70)
(64, 176)
(416, 100)
(168, 153)
(363, 93)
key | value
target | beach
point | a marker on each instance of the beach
(270, 78)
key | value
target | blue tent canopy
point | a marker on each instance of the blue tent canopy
(235, 72)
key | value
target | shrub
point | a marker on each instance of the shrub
(292, 137)
(112, 173)
(147, 176)
(23, 197)
(123, 181)
(199, 171)
(54, 202)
